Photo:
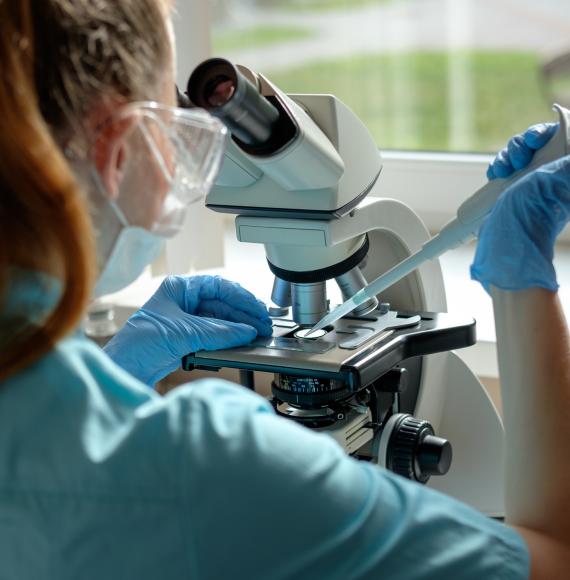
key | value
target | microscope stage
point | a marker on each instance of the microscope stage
(356, 351)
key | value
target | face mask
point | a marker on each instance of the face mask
(134, 249)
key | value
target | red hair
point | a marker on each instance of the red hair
(43, 212)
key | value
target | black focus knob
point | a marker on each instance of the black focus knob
(415, 452)
(434, 455)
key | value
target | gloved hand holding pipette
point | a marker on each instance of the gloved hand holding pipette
(516, 242)
(513, 219)
(472, 212)
(520, 150)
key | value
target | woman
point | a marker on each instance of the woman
(103, 478)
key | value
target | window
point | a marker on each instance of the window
(431, 75)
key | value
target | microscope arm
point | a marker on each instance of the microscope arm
(535, 385)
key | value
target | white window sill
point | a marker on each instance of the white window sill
(433, 184)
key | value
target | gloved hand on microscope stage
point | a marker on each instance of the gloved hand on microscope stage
(516, 241)
(520, 149)
(187, 314)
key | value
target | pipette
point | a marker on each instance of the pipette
(461, 229)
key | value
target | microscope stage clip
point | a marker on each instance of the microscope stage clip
(360, 331)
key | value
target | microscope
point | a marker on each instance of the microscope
(384, 380)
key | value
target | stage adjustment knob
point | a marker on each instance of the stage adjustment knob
(414, 451)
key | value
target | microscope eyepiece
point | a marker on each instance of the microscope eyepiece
(219, 87)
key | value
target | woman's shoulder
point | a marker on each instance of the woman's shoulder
(73, 365)
(78, 402)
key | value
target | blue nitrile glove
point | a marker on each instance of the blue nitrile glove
(520, 149)
(516, 241)
(187, 314)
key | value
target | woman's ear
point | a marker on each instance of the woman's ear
(111, 152)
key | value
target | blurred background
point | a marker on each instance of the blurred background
(424, 75)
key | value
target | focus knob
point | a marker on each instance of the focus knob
(413, 450)
(434, 455)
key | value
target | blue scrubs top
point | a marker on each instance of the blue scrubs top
(100, 477)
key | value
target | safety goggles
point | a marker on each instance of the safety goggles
(176, 154)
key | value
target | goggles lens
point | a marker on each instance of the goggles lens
(183, 152)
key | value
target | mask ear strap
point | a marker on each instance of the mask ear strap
(112, 203)
(119, 213)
